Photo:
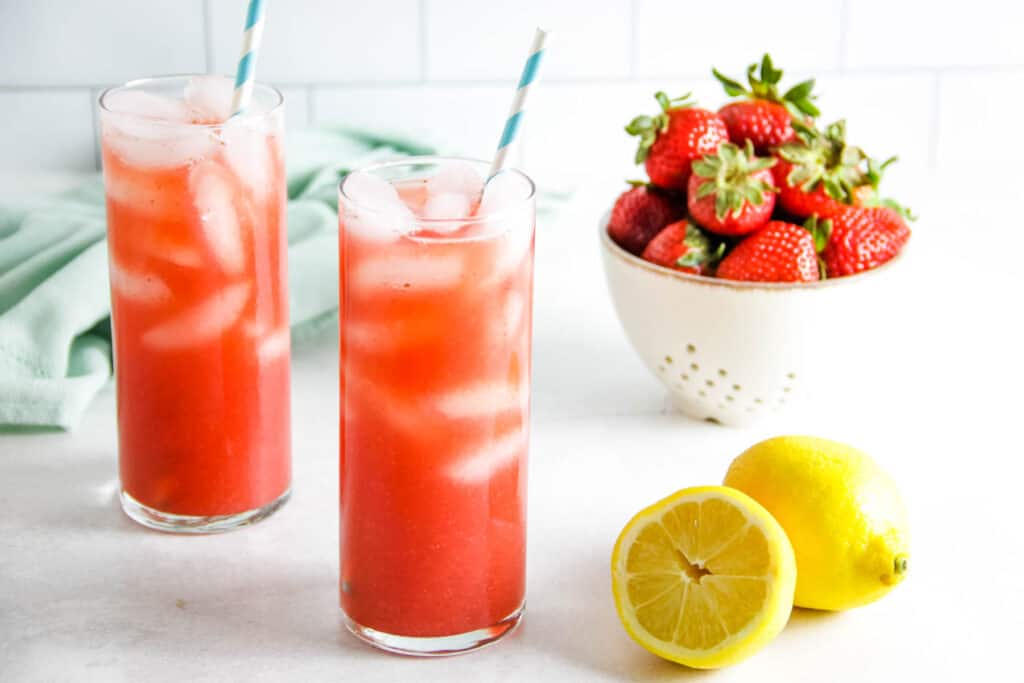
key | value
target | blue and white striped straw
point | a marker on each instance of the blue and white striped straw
(247, 62)
(515, 115)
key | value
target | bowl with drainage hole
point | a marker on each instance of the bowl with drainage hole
(737, 352)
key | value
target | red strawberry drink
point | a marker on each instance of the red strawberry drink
(197, 239)
(435, 328)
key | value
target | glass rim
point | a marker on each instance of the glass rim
(435, 158)
(139, 83)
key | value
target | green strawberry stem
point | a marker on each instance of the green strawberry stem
(648, 127)
(824, 158)
(798, 100)
(731, 172)
(821, 231)
(699, 250)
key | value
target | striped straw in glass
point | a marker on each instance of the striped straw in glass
(244, 77)
(515, 115)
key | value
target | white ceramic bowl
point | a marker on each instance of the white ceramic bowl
(733, 352)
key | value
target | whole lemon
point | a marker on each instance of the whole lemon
(841, 511)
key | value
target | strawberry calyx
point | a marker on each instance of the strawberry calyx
(732, 178)
(821, 231)
(701, 250)
(875, 172)
(798, 100)
(649, 127)
(823, 158)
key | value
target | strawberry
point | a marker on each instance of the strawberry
(683, 246)
(671, 141)
(863, 238)
(730, 192)
(818, 173)
(764, 117)
(778, 252)
(639, 213)
(868, 195)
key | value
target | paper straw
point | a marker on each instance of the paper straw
(515, 115)
(247, 62)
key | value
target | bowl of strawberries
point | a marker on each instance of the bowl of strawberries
(755, 253)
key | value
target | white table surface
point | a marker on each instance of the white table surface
(85, 594)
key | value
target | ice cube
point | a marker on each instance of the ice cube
(515, 306)
(417, 273)
(481, 465)
(458, 177)
(247, 152)
(484, 399)
(214, 195)
(447, 205)
(507, 190)
(274, 345)
(136, 128)
(375, 210)
(208, 98)
(507, 213)
(138, 287)
(140, 104)
(201, 323)
(181, 256)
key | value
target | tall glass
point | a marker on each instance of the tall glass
(198, 281)
(435, 337)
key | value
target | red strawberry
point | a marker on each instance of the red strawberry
(639, 214)
(803, 203)
(682, 246)
(778, 252)
(863, 238)
(731, 191)
(819, 173)
(672, 140)
(764, 117)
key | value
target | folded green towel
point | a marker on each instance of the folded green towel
(54, 297)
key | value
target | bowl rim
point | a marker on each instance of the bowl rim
(635, 261)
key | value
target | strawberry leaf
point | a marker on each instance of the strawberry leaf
(706, 189)
(799, 91)
(731, 87)
(769, 74)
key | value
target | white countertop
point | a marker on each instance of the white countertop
(85, 594)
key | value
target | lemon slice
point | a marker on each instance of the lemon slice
(704, 577)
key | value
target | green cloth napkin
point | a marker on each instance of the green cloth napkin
(54, 297)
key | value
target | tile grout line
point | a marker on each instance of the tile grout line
(423, 46)
(909, 71)
(208, 35)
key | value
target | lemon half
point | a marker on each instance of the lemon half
(704, 577)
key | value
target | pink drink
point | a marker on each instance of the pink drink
(435, 374)
(196, 229)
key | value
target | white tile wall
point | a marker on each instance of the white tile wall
(306, 41)
(980, 119)
(589, 39)
(894, 33)
(68, 42)
(47, 130)
(456, 119)
(676, 38)
(917, 81)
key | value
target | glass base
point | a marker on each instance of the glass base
(439, 646)
(189, 524)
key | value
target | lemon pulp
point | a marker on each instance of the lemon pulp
(704, 577)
